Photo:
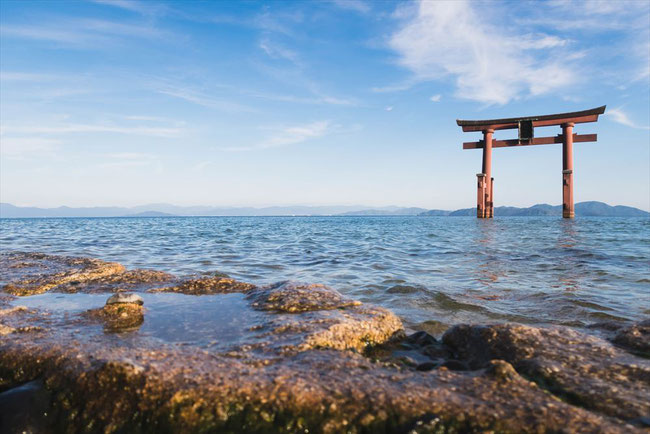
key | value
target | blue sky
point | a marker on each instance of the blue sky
(315, 103)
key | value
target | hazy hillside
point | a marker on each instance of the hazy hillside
(160, 210)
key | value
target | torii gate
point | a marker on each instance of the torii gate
(526, 127)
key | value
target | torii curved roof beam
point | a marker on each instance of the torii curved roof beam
(583, 116)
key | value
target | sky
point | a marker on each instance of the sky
(124, 103)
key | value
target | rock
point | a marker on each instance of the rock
(5, 330)
(304, 358)
(295, 297)
(635, 338)
(36, 273)
(118, 316)
(122, 297)
(25, 408)
(12, 310)
(207, 285)
(131, 280)
(584, 370)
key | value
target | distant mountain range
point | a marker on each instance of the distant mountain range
(161, 210)
(583, 209)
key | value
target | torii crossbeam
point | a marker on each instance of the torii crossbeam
(526, 127)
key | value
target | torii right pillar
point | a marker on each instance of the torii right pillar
(568, 210)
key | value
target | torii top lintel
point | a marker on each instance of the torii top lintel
(590, 115)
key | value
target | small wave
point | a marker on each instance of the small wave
(404, 289)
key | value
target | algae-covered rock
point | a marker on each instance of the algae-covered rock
(296, 297)
(5, 329)
(127, 280)
(118, 316)
(207, 285)
(36, 273)
(635, 338)
(584, 370)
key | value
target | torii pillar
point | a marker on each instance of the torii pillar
(568, 210)
(485, 204)
(526, 126)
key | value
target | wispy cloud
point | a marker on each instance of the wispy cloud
(277, 51)
(81, 33)
(435, 98)
(619, 116)
(442, 39)
(26, 76)
(89, 128)
(21, 147)
(319, 99)
(141, 7)
(290, 135)
(204, 99)
(126, 160)
(352, 5)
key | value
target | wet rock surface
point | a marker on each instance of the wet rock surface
(584, 370)
(296, 297)
(207, 286)
(128, 280)
(297, 358)
(118, 316)
(635, 338)
(36, 273)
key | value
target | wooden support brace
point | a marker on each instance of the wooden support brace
(577, 138)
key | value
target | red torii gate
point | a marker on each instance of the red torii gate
(526, 127)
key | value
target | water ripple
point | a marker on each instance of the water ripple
(428, 270)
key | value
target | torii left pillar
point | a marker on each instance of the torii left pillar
(485, 204)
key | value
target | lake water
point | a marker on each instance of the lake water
(431, 271)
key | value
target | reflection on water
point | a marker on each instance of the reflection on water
(213, 321)
(448, 270)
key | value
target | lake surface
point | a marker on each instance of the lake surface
(431, 271)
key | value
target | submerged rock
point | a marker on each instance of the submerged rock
(295, 297)
(207, 285)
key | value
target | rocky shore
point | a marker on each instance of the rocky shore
(89, 346)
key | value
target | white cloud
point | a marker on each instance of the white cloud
(435, 98)
(619, 116)
(389, 108)
(291, 135)
(353, 5)
(442, 39)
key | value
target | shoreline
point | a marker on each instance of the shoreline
(297, 357)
